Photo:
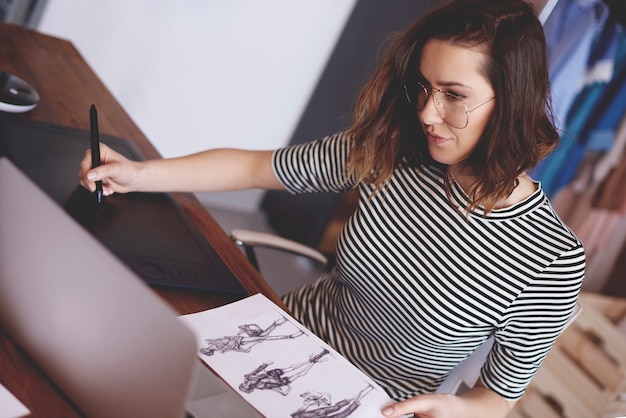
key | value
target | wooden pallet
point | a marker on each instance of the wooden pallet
(584, 375)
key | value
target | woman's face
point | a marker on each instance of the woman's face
(457, 70)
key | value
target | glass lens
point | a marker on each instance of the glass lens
(451, 108)
(421, 95)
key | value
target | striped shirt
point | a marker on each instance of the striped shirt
(418, 286)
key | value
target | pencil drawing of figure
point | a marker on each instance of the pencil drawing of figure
(325, 408)
(278, 379)
(313, 399)
(248, 336)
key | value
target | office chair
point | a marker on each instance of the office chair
(463, 377)
(247, 240)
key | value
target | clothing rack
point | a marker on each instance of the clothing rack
(584, 176)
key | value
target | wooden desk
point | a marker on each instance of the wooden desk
(68, 86)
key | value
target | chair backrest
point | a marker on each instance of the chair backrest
(465, 375)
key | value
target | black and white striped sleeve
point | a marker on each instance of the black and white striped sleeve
(533, 323)
(317, 166)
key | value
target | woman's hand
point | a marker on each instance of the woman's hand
(207, 171)
(117, 173)
(427, 406)
(479, 402)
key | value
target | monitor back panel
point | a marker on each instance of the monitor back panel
(107, 341)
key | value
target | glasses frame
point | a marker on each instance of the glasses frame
(430, 92)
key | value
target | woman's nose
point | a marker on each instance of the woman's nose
(429, 114)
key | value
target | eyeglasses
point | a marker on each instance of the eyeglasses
(450, 106)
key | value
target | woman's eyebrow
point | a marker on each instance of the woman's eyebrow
(453, 84)
(444, 83)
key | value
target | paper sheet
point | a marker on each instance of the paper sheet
(10, 406)
(280, 367)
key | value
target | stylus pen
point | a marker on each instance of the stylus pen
(95, 147)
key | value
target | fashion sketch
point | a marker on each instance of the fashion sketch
(248, 336)
(278, 379)
(319, 405)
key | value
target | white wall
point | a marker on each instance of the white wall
(197, 74)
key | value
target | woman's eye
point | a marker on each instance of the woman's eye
(455, 94)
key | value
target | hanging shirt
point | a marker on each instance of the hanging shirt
(584, 92)
(570, 31)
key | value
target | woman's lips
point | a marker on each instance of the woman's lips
(435, 139)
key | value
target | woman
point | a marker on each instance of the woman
(452, 242)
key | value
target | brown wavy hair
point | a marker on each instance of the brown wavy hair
(387, 134)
